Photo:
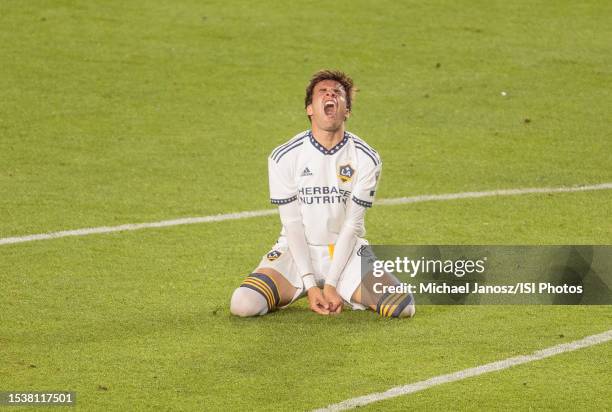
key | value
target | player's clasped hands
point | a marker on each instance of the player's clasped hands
(326, 302)
(317, 302)
(333, 298)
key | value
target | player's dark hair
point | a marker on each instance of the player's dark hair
(335, 75)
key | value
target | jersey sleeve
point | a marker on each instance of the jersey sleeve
(362, 198)
(365, 188)
(346, 242)
(283, 187)
(291, 219)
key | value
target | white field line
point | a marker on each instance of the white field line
(468, 373)
(268, 212)
(501, 192)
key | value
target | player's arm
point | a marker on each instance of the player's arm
(361, 199)
(345, 243)
(283, 192)
(291, 218)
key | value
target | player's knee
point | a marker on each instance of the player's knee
(408, 311)
(396, 305)
(246, 302)
(257, 295)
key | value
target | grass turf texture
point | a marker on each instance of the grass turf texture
(117, 113)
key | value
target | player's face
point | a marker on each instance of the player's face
(328, 109)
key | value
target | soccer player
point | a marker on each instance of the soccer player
(322, 180)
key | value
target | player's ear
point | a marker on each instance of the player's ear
(309, 110)
(347, 115)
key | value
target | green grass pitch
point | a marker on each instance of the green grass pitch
(126, 112)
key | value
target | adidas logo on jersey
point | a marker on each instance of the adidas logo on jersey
(306, 172)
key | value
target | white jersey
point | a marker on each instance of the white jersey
(323, 181)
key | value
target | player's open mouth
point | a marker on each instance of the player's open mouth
(329, 107)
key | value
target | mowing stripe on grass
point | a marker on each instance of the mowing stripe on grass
(468, 373)
(268, 212)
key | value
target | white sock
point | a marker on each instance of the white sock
(247, 302)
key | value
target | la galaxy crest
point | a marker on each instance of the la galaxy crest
(345, 173)
(273, 255)
(366, 253)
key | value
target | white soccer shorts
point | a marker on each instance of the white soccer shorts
(280, 259)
